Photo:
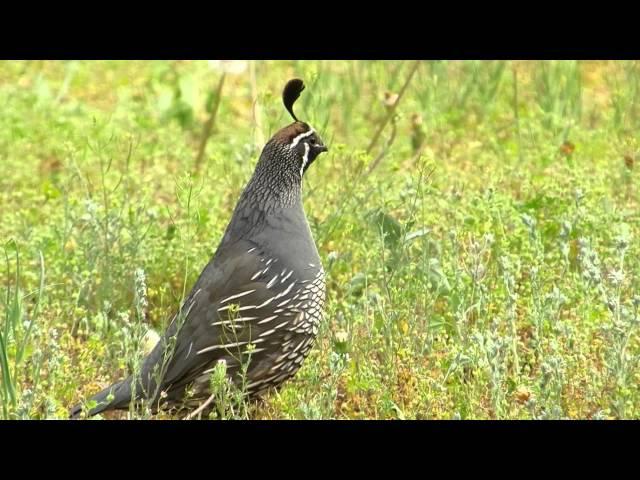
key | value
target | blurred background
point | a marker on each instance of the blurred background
(478, 222)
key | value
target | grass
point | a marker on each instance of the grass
(481, 249)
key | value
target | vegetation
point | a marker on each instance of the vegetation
(478, 222)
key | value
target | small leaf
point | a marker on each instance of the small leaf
(416, 234)
(171, 232)
(436, 276)
(387, 225)
(357, 284)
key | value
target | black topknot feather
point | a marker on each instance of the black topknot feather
(290, 94)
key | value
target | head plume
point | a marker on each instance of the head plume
(290, 94)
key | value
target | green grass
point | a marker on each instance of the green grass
(482, 251)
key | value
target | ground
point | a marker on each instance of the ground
(478, 222)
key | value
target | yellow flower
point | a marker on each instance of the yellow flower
(404, 327)
(71, 245)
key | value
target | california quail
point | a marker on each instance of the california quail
(260, 298)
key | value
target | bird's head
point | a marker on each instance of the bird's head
(297, 143)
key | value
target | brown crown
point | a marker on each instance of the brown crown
(288, 133)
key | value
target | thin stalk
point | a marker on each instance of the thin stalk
(515, 111)
(208, 126)
(392, 109)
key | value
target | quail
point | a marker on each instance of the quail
(258, 303)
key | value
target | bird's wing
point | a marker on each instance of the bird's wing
(235, 302)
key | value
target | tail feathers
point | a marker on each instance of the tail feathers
(117, 396)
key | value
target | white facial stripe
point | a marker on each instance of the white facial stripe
(300, 137)
(305, 158)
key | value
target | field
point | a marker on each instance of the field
(478, 223)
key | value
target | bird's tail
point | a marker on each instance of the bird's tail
(117, 396)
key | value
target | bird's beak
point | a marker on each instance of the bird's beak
(322, 148)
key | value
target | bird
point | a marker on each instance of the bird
(257, 305)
